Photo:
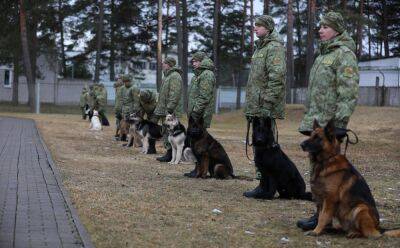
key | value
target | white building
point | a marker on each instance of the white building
(387, 70)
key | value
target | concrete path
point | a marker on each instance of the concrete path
(35, 210)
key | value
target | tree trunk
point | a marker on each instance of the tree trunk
(99, 41)
(252, 27)
(238, 78)
(360, 29)
(178, 31)
(369, 30)
(61, 26)
(310, 37)
(298, 29)
(343, 4)
(159, 46)
(112, 41)
(385, 28)
(27, 57)
(217, 9)
(266, 7)
(185, 45)
(166, 48)
(15, 77)
(289, 51)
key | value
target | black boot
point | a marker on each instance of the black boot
(191, 174)
(265, 190)
(152, 147)
(308, 224)
(167, 157)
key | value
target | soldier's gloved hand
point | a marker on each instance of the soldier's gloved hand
(249, 118)
(118, 116)
(195, 116)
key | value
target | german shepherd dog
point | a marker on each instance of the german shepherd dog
(210, 155)
(282, 173)
(146, 131)
(340, 192)
(181, 150)
(123, 130)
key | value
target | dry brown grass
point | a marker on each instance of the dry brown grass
(126, 199)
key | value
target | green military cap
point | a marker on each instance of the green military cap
(146, 95)
(170, 61)
(199, 56)
(265, 21)
(126, 78)
(333, 20)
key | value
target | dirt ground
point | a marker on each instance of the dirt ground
(127, 199)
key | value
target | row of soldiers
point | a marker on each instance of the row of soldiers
(94, 98)
(130, 99)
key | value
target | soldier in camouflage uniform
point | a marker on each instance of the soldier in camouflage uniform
(83, 102)
(201, 92)
(333, 85)
(129, 97)
(117, 106)
(265, 94)
(101, 103)
(169, 100)
(148, 102)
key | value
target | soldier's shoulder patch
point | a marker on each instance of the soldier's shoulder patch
(327, 61)
(348, 71)
(276, 61)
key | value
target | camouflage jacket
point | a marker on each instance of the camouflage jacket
(265, 92)
(170, 98)
(147, 108)
(333, 85)
(118, 99)
(83, 99)
(130, 100)
(101, 98)
(91, 99)
(202, 91)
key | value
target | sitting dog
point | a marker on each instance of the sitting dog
(275, 165)
(181, 150)
(210, 155)
(134, 139)
(147, 132)
(95, 124)
(340, 192)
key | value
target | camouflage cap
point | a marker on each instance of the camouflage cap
(333, 20)
(126, 78)
(145, 95)
(265, 21)
(199, 56)
(170, 61)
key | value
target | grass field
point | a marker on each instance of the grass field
(127, 199)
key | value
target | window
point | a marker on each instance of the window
(7, 78)
(153, 66)
(139, 65)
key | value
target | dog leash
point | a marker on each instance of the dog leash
(247, 140)
(348, 141)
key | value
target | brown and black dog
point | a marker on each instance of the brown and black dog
(340, 192)
(210, 155)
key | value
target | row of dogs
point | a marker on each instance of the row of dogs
(338, 189)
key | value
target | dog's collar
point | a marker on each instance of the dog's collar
(178, 129)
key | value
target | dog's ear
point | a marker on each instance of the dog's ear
(316, 124)
(329, 130)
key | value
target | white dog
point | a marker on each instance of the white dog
(95, 124)
(177, 139)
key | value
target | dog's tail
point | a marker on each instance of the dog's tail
(306, 196)
(392, 233)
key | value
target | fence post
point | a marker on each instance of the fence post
(217, 101)
(377, 91)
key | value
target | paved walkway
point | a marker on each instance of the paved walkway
(35, 210)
